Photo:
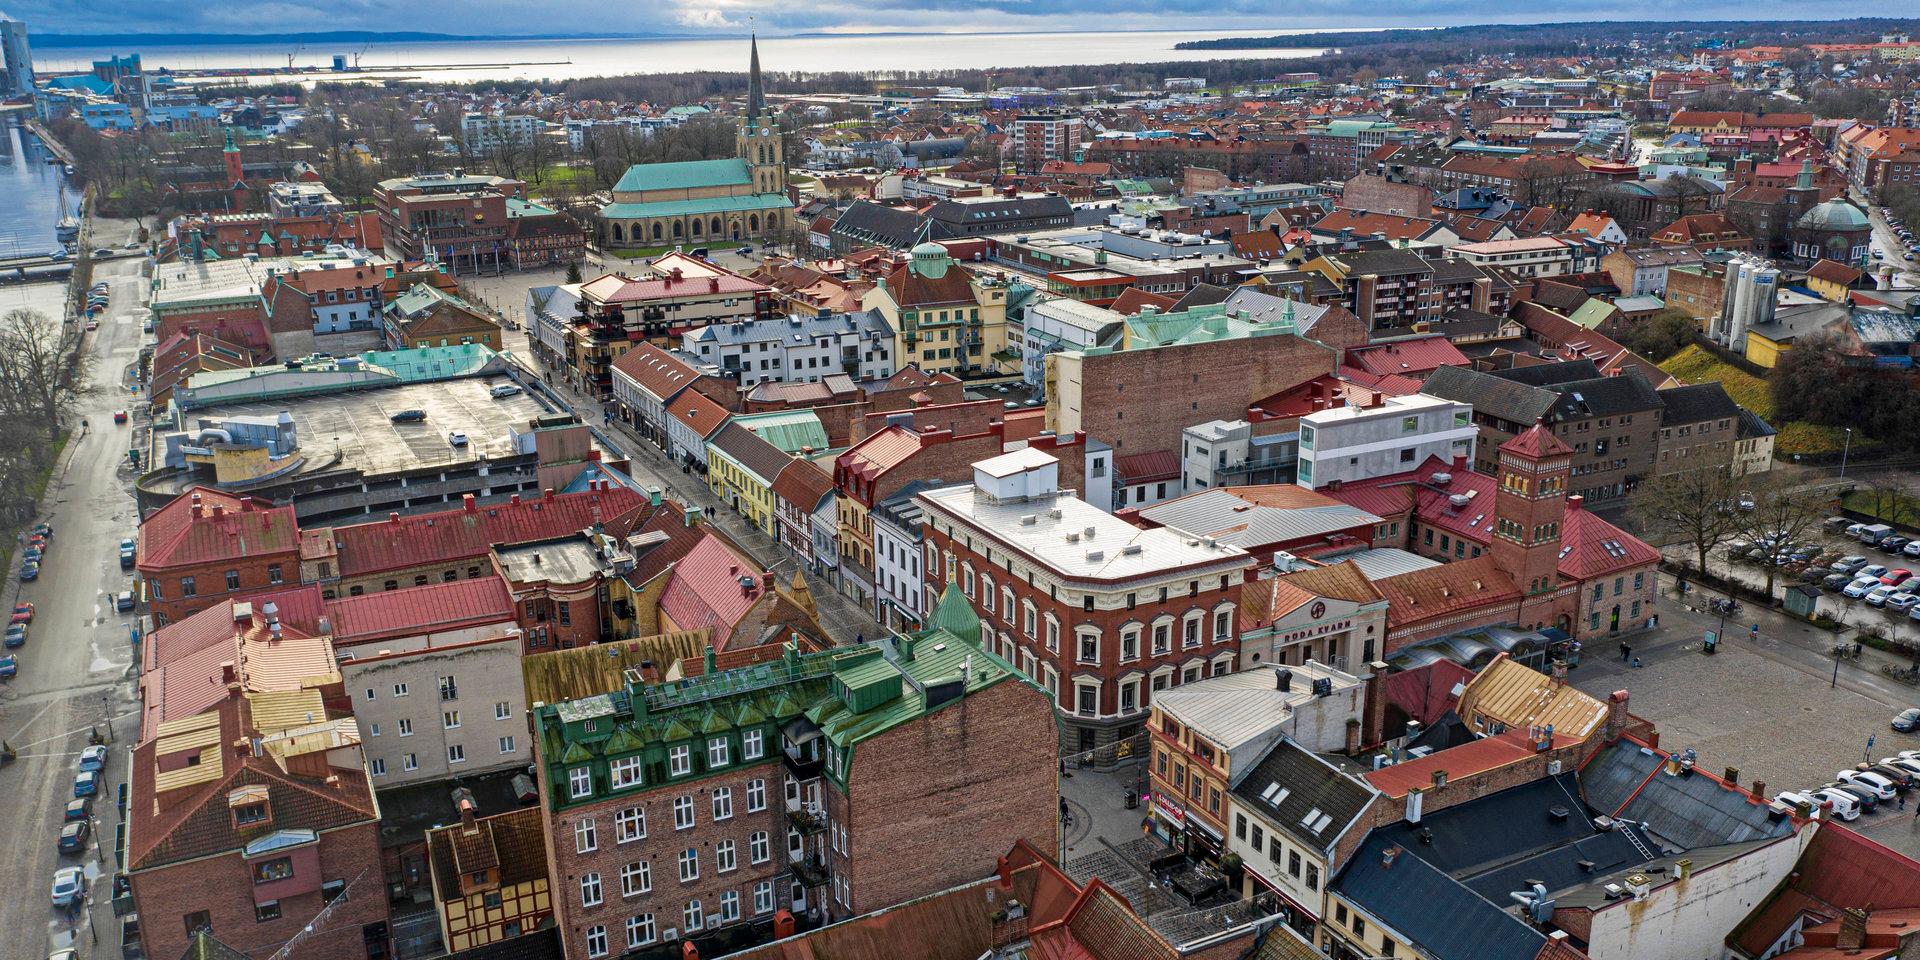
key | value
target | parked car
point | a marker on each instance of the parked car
(1861, 587)
(1868, 800)
(1853, 530)
(1906, 720)
(1849, 563)
(1874, 532)
(1874, 570)
(123, 601)
(1877, 597)
(73, 836)
(1881, 786)
(1901, 778)
(1896, 576)
(23, 613)
(1835, 582)
(1902, 601)
(9, 667)
(16, 636)
(29, 570)
(409, 416)
(1846, 806)
(504, 390)
(1835, 524)
(86, 783)
(126, 554)
(456, 438)
(1911, 767)
(69, 885)
(79, 808)
(93, 758)
(1805, 554)
(1895, 543)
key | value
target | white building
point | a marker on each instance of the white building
(1395, 436)
(482, 132)
(898, 586)
(1222, 453)
(1523, 257)
(302, 198)
(580, 132)
(796, 349)
(1061, 324)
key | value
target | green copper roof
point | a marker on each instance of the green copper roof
(789, 430)
(955, 615)
(687, 175)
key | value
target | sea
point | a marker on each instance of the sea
(466, 61)
(31, 201)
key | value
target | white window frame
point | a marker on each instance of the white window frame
(596, 941)
(626, 773)
(579, 783)
(719, 752)
(1082, 637)
(759, 847)
(591, 893)
(752, 745)
(722, 804)
(586, 835)
(756, 795)
(683, 805)
(680, 760)
(689, 861)
(726, 856)
(630, 824)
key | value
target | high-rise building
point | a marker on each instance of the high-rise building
(18, 57)
(1038, 138)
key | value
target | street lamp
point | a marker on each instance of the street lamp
(1845, 449)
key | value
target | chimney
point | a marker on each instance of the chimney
(1853, 929)
(219, 510)
(546, 494)
(1374, 707)
(394, 518)
(1387, 857)
(463, 799)
(227, 672)
(1439, 779)
(649, 671)
(1732, 776)
(1574, 502)
(246, 504)
(713, 284)
(1682, 868)
(1616, 713)
(1758, 791)
(1416, 799)
(196, 506)
(467, 502)
(1283, 680)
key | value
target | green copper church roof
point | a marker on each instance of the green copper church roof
(685, 175)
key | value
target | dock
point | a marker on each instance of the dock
(53, 145)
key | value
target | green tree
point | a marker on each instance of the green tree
(1661, 335)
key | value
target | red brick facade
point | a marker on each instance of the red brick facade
(1189, 384)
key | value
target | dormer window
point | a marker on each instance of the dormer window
(249, 806)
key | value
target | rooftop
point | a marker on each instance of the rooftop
(1081, 541)
(1236, 708)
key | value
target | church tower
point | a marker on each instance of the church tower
(759, 142)
(1528, 507)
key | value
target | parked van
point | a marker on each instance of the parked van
(1874, 533)
(1846, 806)
(504, 390)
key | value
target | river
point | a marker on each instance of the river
(568, 59)
(30, 199)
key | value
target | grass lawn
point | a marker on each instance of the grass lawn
(1889, 505)
(1694, 365)
(560, 178)
(1812, 438)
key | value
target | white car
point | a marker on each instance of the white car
(1877, 597)
(1903, 601)
(1845, 805)
(1900, 763)
(1912, 549)
(459, 439)
(1861, 587)
(1874, 570)
(1881, 786)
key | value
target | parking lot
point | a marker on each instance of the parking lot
(1845, 595)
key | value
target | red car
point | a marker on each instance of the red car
(119, 416)
(1895, 578)
(23, 613)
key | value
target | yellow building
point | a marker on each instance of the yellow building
(741, 469)
(490, 877)
(1764, 351)
(1832, 281)
(945, 318)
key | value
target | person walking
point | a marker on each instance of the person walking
(1626, 651)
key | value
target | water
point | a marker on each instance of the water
(29, 195)
(568, 59)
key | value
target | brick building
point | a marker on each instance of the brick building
(206, 546)
(460, 218)
(1097, 611)
(253, 824)
(701, 811)
(1039, 139)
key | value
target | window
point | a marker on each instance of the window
(756, 796)
(723, 803)
(1222, 625)
(1087, 700)
(596, 941)
(689, 864)
(449, 719)
(1162, 637)
(456, 753)
(249, 813)
(1053, 634)
(680, 761)
(1027, 618)
(1089, 651)
(1313, 877)
(626, 773)
(503, 710)
(400, 690)
(406, 726)
(763, 897)
(378, 766)
(717, 751)
(273, 870)
(693, 915)
(725, 856)
(187, 588)
(1293, 863)
(629, 825)
(448, 689)
(270, 910)
(506, 745)
(1359, 926)
(579, 782)
(729, 906)
(273, 573)
(586, 837)
(682, 812)
(758, 847)
(590, 890)
(639, 930)
(1129, 644)
(233, 579)
(1190, 632)
(752, 745)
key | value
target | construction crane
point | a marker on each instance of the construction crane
(362, 52)
(291, 55)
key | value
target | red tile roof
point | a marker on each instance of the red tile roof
(1411, 358)
(884, 450)
(227, 528)
(1465, 760)
(910, 289)
(613, 289)
(803, 483)
(454, 535)
(1537, 442)
(697, 413)
(1592, 547)
(1446, 589)
(657, 371)
(1133, 298)
(704, 589)
(1147, 467)
(413, 611)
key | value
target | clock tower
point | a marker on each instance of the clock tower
(1529, 505)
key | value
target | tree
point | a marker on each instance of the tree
(42, 369)
(1661, 335)
(573, 271)
(1696, 508)
(1782, 515)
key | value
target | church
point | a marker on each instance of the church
(707, 201)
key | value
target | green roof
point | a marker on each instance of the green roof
(1592, 313)
(687, 175)
(524, 208)
(955, 615)
(789, 430)
(681, 208)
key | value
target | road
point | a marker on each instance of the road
(1884, 242)
(75, 668)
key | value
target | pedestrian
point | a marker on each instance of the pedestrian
(1636, 663)
(1626, 651)
(1753, 632)
(1903, 801)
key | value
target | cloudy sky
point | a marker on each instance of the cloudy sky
(510, 17)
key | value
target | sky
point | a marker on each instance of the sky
(773, 17)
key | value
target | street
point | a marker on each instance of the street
(75, 667)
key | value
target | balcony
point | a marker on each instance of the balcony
(809, 871)
(807, 819)
(802, 764)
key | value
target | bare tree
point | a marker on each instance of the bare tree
(1695, 508)
(42, 369)
(1783, 515)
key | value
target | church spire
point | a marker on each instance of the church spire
(756, 97)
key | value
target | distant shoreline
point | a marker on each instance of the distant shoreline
(81, 40)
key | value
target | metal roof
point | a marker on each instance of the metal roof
(1230, 519)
